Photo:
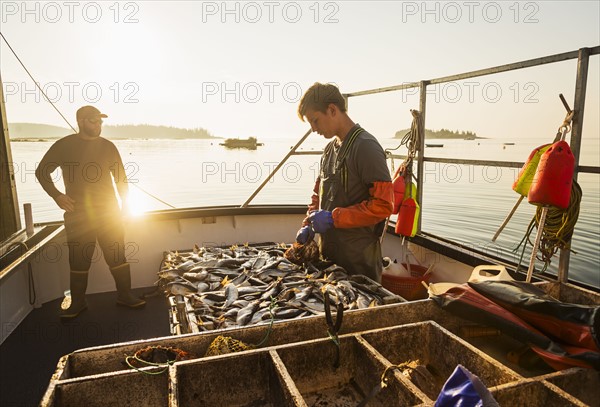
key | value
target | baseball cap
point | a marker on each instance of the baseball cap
(87, 112)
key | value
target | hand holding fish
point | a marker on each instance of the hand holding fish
(305, 235)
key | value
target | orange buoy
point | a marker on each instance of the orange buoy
(399, 188)
(525, 177)
(551, 185)
(408, 216)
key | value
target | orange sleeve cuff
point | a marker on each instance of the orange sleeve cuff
(315, 202)
(375, 209)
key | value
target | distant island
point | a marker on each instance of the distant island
(43, 132)
(443, 134)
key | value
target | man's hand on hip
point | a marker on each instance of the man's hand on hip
(65, 202)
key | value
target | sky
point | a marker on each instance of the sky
(238, 69)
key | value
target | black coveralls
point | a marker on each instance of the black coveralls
(87, 170)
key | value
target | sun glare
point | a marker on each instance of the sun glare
(137, 203)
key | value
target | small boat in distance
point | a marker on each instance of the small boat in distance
(250, 143)
(434, 145)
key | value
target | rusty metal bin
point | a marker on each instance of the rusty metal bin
(533, 393)
(439, 351)
(312, 368)
(578, 382)
(251, 379)
(112, 389)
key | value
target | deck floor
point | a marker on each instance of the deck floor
(28, 357)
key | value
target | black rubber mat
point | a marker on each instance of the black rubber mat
(28, 357)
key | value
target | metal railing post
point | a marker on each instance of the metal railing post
(576, 134)
(421, 147)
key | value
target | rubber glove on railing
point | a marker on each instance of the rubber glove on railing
(305, 234)
(321, 221)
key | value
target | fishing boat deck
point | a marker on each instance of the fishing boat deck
(43, 338)
(296, 364)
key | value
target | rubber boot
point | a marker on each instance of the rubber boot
(78, 285)
(122, 276)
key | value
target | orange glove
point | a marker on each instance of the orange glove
(314, 199)
(375, 209)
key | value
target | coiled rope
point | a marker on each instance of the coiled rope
(410, 139)
(146, 357)
(558, 229)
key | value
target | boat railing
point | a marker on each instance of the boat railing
(582, 55)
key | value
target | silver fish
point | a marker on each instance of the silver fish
(287, 294)
(230, 263)
(241, 278)
(231, 294)
(260, 315)
(250, 290)
(186, 266)
(305, 293)
(169, 274)
(198, 275)
(314, 307)
(216, 296)
(201, 287)
(347, 289)
(231, 313)
(288, 313)
(180, 289)
(245, 314)
(362, 301)
(272, 291)
(240, 303)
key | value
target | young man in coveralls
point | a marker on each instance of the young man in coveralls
(353, 194)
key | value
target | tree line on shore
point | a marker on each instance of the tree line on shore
(443, 134)
(35, 131)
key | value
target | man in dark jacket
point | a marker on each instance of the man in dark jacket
(89, 163)
(353, 194)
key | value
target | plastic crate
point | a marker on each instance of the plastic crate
(409, 288)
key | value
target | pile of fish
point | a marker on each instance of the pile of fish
(246, 285)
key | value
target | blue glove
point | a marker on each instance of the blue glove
(305, 234)
(321, 221)
(463, 388)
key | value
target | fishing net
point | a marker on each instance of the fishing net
(223, 345)
(303, 253)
